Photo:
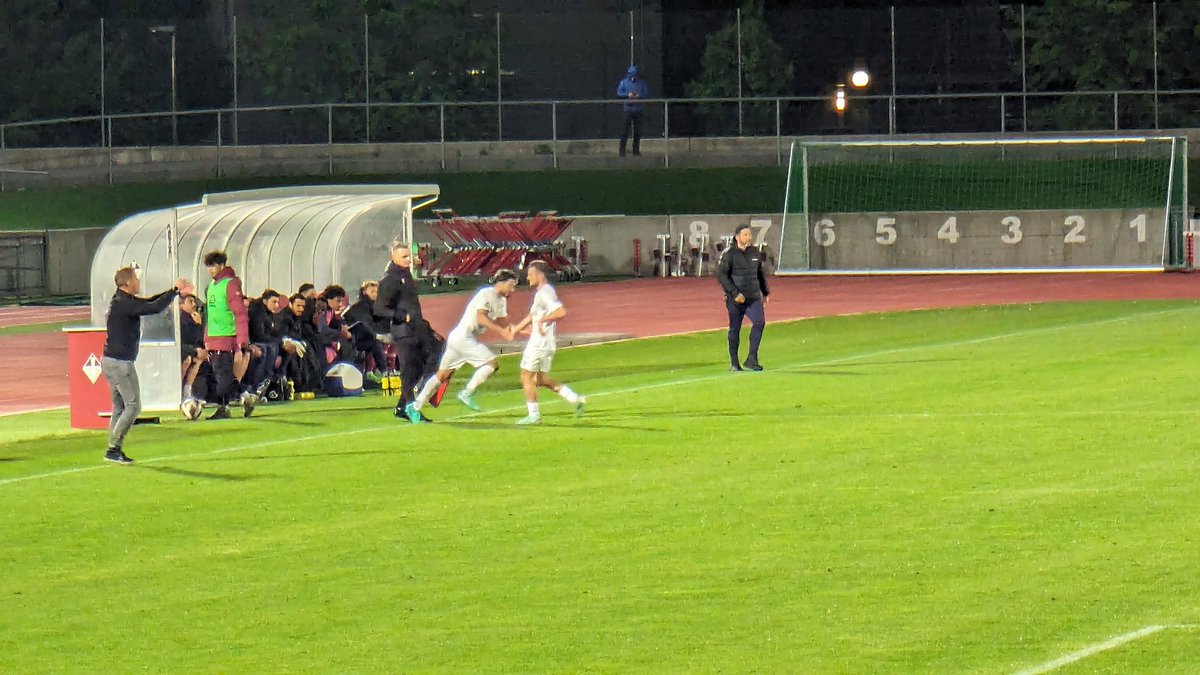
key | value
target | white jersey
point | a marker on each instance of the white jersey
(545, 302)
(487, 299)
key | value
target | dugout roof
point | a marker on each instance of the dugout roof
(275, 238)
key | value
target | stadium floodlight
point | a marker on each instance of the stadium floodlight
(860, 78)
(1100, 203)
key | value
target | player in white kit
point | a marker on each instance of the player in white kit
(487, 310)
(539, 351)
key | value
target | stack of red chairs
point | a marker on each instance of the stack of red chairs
(479, 246)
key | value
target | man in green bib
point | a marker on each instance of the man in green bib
(226, 333)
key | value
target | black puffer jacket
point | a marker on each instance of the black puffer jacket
(741, 271)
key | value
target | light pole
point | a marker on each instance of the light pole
(174, 100)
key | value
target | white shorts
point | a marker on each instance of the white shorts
(460, 351)
(537, 360)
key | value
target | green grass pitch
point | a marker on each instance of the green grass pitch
(979, 490)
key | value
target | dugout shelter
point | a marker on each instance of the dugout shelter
(275, 238)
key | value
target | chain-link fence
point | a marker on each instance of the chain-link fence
(276, 67)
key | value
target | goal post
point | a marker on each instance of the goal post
(974, 205)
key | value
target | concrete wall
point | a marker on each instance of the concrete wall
(95, 166)
(988, 239)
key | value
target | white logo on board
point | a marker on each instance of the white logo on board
(91, 368)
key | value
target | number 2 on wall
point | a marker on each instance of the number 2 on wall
(1075, 235)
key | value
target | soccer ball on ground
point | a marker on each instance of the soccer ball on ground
(191, 409)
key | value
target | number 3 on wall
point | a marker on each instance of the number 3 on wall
(1014, 234)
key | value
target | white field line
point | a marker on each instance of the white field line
(613, 392)
(1092, 650)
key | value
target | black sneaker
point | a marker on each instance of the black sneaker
(117, 456)
(401, 415)
(735, 368)
(221, 413)
(753, 366)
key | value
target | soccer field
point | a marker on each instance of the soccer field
(985, 490)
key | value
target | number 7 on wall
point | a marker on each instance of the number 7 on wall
(760, 225)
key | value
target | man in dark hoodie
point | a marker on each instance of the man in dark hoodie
(364, 327)
(264, 336)
(399, 305)
(226, 332)
(121, 350)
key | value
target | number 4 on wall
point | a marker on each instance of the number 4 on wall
(949, 230)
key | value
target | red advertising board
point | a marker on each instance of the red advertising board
(90, 397)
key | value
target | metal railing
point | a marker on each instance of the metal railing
(555, 121)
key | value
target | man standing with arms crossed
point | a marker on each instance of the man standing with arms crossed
(487, 310)
(545, 312)
(121, 350)
(745, 283)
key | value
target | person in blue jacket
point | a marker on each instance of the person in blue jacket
(630, 89)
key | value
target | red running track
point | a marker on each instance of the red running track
(650, 307)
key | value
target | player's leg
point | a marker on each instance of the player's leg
(482, 372)
(484, 361)
(529, 384)
(564, 391)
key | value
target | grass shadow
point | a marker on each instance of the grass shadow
(232, 477)
(297, 455)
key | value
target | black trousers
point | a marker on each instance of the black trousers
(227, 387)
(633, 121)
(410, 358)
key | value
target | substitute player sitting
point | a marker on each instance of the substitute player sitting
(544, 314)
(487, 310)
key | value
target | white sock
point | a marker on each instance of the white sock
(568, 395)
(533, 408)
(187, 391)
(431, 386)
(481, 375)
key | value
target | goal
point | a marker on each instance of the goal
(1003, 205)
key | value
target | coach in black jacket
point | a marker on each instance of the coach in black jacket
(121, 346)
(741, 275)
(399, 305)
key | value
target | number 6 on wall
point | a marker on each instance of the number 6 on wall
(823, 232)
(886, 227)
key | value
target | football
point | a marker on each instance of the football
(191, 409)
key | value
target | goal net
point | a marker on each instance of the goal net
(1023, 205)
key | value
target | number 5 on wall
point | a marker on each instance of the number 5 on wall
(886, 227)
